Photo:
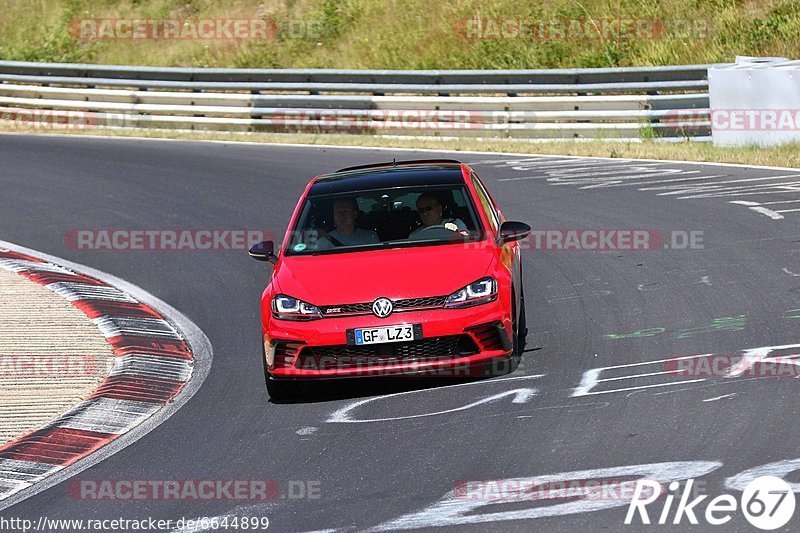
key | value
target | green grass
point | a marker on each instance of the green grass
(406, 34)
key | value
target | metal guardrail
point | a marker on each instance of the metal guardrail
(670, 102)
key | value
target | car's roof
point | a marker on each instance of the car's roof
(430, 172)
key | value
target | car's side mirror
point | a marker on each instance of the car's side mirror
(264, 251)
(513, 231)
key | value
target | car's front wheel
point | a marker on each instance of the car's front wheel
(283, 390)
(516, 341)
(522, 326)
(279, 390)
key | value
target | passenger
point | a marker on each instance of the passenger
(345, 212)
(431, 213)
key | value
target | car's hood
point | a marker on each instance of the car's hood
(359, 277)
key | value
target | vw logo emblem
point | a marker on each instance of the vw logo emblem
(382, 307)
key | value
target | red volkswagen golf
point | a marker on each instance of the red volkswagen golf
(402, 268)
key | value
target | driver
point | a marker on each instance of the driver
(431, 213)
(345, 212)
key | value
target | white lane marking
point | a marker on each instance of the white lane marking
(564, 175)
(758, 208)
(753, 356)
(591, 378)
(458, 508)
(731, 395)
(561, 164)
(641, 387)
(612, 170)
(623, 172)
(483, 382)
(774, 215)
(592, 182)
(707, 385)
(645, 375)
(705, 279)
(669, 180)
(343, 416)
(714, 189)
(778, 469)
(307, 431)
(787, 271)
(782, 188)
(778, 202)
(726, 182)
(619, 181)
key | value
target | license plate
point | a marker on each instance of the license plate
(402, 333)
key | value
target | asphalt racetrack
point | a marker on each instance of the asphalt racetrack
(592, 393)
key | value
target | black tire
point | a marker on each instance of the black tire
(523, 322)
(516, 352)
(279, 390)
(283, 390)
(264, 362)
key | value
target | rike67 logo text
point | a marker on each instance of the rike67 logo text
(767, 503)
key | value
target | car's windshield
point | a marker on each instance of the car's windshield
(407, 216)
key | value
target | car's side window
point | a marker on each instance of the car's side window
(488, 208)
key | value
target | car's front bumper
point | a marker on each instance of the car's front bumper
(318, 349)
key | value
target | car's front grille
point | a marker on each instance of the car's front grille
(423, 350)
(416, 303)
(407, 304)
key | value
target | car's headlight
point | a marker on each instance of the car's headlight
(288, 308)
(482, 291)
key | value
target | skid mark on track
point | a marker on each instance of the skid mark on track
(343, 414)
(664, 179)
(521, 395)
